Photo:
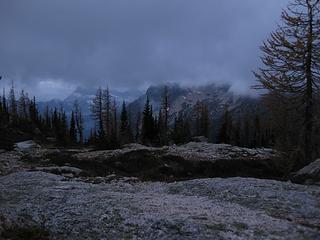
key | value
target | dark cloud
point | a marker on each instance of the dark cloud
(133, 43)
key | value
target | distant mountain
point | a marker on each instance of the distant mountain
(184, 99)
(84, 97)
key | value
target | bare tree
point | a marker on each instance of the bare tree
(97, 110)
(79, 121)
(107, 112)
(164, 116)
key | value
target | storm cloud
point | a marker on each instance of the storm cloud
(133, 43)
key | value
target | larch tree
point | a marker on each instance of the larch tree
(97, 110)
(107, 112)
(13, 109)
(164, 116)
(78, 121)
(291, 59)
(204, 120)
(73, 131)
(125, 131)
(147, 123)
(226, 127)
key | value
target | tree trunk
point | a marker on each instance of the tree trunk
(309, 90)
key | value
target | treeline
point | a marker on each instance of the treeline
(163, 128)
(20, 119)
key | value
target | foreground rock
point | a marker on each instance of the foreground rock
(27, 146)
(309, 174)
(192, 160)
(234, 208)
(64, 170)
(11, 162)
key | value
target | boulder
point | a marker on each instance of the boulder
(234, 208)
(27, 146)
(310, 174)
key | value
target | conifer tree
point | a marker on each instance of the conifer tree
(257, 132)
(236, 133)
(148, 128)
(163, 118)
(226, 128)
(5, 105)
(181, 130)
(107, 112)
(23, 105)
(79, 121)
(33, 111)
(47, 119)
(197, 111)
(97, 110)
(63, 135)
(204, 120)
(13, 105)
(137, 128)
(125, 131)
(291, 62)
(73, 133)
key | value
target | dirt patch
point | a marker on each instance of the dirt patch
(158, 166)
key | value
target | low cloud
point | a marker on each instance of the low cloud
(132, 44)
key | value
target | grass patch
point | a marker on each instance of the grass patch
(258, 232)
(240, 226)
(217, 227)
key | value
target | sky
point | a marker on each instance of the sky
(51, 47)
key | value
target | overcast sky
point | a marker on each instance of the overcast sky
(52, 46)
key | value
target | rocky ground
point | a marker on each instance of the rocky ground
(44, 198)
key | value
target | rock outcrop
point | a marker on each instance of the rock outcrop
(192, 160)
(309, 174)
(234, 208)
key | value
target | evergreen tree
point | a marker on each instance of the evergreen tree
(204, 120)
(226, 128)
(107, 112)
(47, 119)
(97, 110)
(113, 139)
(22, 106)
(137, 127)
(79, 122)
(33, 111)
(236, 133)
(13, 106)
(181, 130)
(197, 111)
(5, 105)
(73, 133)
(163, 118)
(148, 128)
(63, 134)
(257, 132)
(125, 131)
